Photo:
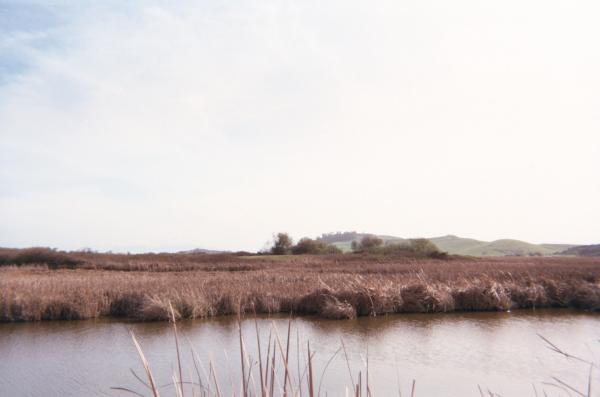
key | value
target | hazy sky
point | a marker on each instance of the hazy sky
(168, 125)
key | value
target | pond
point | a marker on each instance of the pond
(446, 354)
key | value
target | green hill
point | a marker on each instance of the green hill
(457, 245)
(466, 246)
(504, 247)
(345, 246)
(510, 247)
(558, 248)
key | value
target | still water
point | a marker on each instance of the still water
(446, 354)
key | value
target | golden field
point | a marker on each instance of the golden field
(140, 287)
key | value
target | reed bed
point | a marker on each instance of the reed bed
(337, 287)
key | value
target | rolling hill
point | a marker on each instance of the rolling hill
(583, 250)
(462, 246)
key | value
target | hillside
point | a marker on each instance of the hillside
(558, 247)
(461, 246)
(343, 240)
(503, 247)
(583, 250)
(458, 245)
(509, 247)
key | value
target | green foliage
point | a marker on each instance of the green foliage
(282, 244)
(505, 247)
(367, 243)
(422, 246)
(314, 247)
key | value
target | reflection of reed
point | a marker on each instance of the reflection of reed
(274, 374)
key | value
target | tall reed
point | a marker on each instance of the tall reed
(332, 286)
(277, 380)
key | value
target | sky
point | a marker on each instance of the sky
(168, 125)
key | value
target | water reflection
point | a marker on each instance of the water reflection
(448, 354)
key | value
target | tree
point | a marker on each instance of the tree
(315, 247)
(282, 244)
(423, 246)
(367, 243)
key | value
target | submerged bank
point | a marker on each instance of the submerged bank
(326, 287)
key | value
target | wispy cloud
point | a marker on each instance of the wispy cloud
(215, 124)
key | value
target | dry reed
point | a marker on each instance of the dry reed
(292, 386)
(340, 286)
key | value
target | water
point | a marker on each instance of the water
(447, 354)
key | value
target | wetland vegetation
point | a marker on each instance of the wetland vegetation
(83, 285)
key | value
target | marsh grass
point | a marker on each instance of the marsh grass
(141, 287)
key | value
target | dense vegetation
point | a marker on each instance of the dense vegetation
(419, 247)
(368, 243)
(41, 256)
(333, 286)
(284, 245)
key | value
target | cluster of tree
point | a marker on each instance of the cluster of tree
(367, 243)
(421, 247)
(413, 247)
(284, 245)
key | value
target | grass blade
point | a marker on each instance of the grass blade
(146, 365)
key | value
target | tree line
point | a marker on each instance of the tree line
(283, 244)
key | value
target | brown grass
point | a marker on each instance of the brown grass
(140, 287)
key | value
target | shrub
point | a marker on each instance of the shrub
(5, 258)
(45, 256)
(423, 247)
(314, 247)
(282, 244)
(367, 243)
(420, 247)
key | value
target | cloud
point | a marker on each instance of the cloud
(209, 124)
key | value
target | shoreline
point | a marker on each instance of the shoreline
(232, 319)
(311, 316)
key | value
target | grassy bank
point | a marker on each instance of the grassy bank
(339, 286)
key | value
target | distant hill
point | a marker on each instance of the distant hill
(503, 247)
(583, 250)
(558, 248)
(459, 246)
(343, 240)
